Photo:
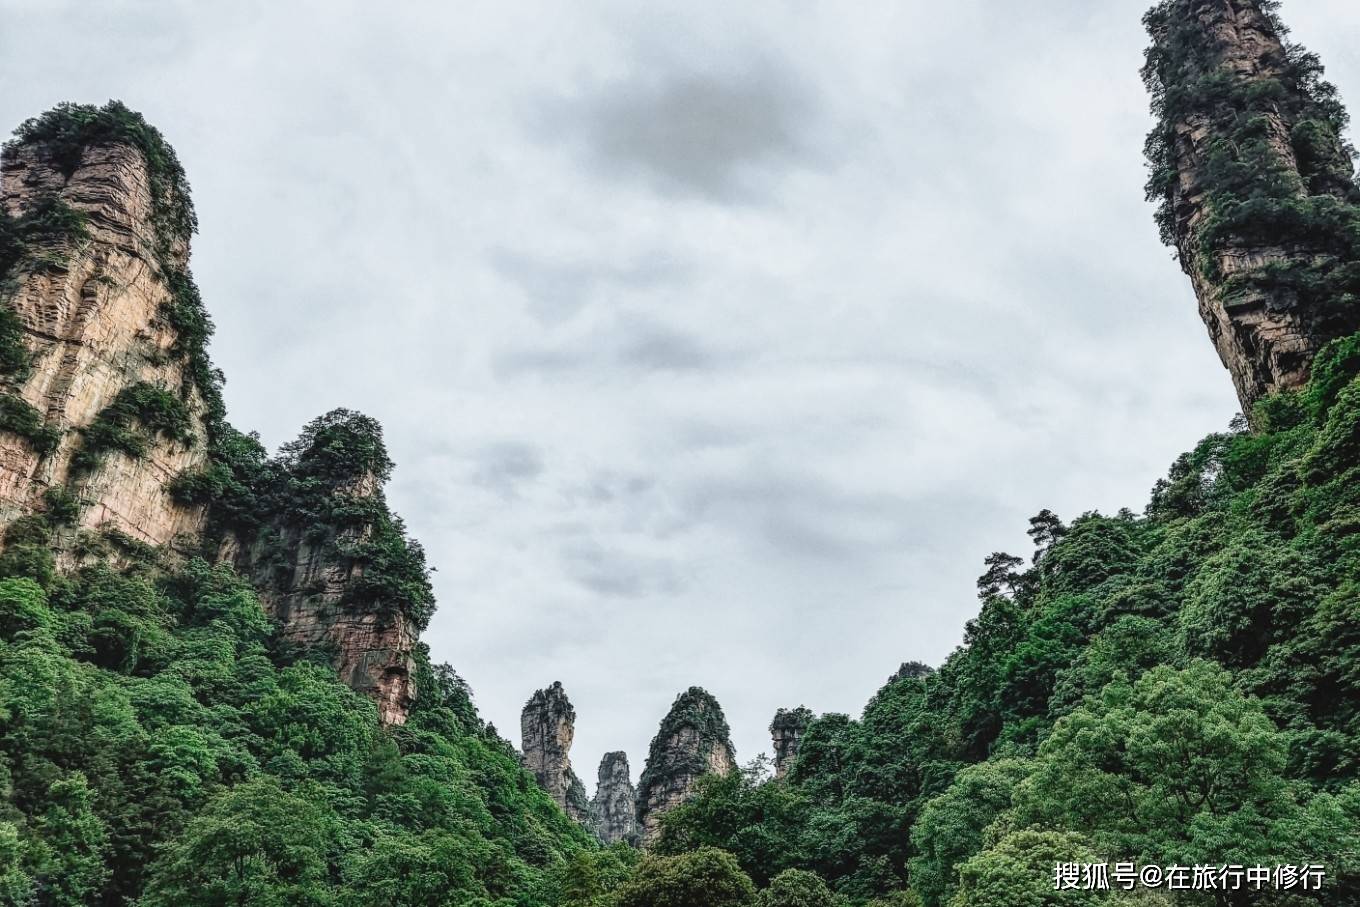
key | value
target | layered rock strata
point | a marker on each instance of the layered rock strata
(90, 302)
(1256, 187)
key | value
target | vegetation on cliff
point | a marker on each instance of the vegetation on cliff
(156, 743)
(1252, 192)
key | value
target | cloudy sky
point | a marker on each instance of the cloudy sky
(716, 343)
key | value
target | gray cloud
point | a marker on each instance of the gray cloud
(504, 466)
(556, 290)
(628, 343)
(715, 134)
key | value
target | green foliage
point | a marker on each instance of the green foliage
(62, 507)
(37, 237)
(14, 355)
(28, 551)
(140, 413)
(797, 888)
(1018, 872)
(950, 828)
(156, 746)
(19, 417)
(706, 877)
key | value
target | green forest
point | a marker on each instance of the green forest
(1174, 686)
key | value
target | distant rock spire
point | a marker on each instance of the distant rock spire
(547, 726)
(615, 803)
(786, 733)
(693, 740)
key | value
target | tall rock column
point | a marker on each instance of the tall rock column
(1255, 187)
(100, 396)
(786, 733)
(693, 740)
(547, 726)
(615, 803)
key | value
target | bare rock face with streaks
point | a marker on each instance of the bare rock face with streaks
(693, 740)
(90, 301)
(786, 733)
(547, 726)
(1257, 189)
(615, 803)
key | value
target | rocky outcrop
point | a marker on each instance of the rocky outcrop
(1256, 189)
(693, 740)
(90, 287)
(306, 582)
(332, 563)
(615, 803)
(108, 403)
(786, 732)
(547, 726)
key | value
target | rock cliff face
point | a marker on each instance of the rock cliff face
(693, 740)
(547, 726)
(1256, 188)
(108, 403)
(786, 732)
(90, 296)
(615, 803)
(306, 582)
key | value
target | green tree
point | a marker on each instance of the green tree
(797, 888)
(950, 828)
(706, 877)
(16, 885)
(1019, 872)
(69, 866)
(256, 844)
(1177, 767)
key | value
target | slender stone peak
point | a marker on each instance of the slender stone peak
(615, 804)
(547, 726)
(692, 741)
(786, 733)
(1256, 188)
(100, 398)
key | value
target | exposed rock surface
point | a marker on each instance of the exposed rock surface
(547, 726)
(786, 732)
(304, 581)
(96, 287)
(91, 314)
(615, 803)
(693, 740)
(1266, 330)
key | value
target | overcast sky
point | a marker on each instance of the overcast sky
(714, 345)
